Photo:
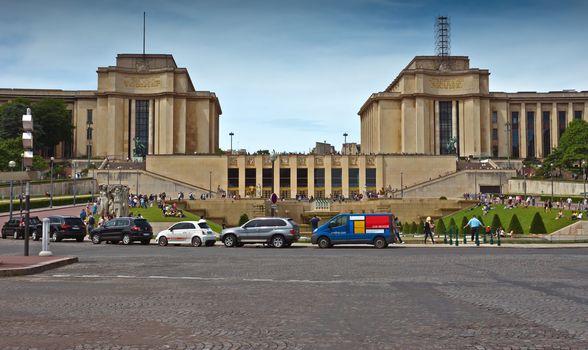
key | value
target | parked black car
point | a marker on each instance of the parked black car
(15, 227)
(66, 227)
(125, 230)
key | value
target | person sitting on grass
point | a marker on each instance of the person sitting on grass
(559, 215)
(574, 216)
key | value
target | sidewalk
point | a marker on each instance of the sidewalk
(28, 265)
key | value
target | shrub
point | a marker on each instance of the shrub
(482, 221)
(421, 227)
(443, 198)
(468, 230)
(440, 227)
(453, 224)
(537, 225)
(515, 226)
(243, 219)
(496, 223)
(413, 227)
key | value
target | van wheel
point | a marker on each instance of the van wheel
(278, 241)
(230, 241)
(324, 242)
(380, 243)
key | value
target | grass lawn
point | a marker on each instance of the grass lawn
(153, 214)
(525, 216)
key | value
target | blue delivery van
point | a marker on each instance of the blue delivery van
(373, 229)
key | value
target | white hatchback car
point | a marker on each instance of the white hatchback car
(195, 233)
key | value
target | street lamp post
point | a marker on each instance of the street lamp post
(345, 142)
(51, 188)
(401, 187)
(209, 184)
(585, 175)
(11, 165)
(231, 134)
(551, 173)
(524, 181)
(273, 196)
(74, 183)
(20, 195)
(508, 131)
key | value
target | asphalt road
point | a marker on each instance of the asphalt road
(150, 297)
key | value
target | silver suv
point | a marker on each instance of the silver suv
(273, 231)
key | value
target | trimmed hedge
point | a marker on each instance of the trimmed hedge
(466, 231)
(243, 219)
(421, 227)
(537, 225)
(515, 225)
(496, 223)
(44, 203)
(413, 227)
(440, 227)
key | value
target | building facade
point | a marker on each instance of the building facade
(143, 105)
(435, 109)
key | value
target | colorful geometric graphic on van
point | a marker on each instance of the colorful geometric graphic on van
(370, 224)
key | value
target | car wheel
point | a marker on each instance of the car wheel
(230, 241)
(278, 241)
(324, 242)
(3, 235)
(145, 242)
(196, 242)
(126, 239)
(162, 241)
(55, 237)
(96, 239)
(35, 236)
(380, 243)
(80, 239)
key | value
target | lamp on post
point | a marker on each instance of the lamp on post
(345, 142)
(209, 184)
(51, 188)
(273, 196)
(401, 187)
(231, 134)
(524, 180)
(11, 165)
(551, 173)
(74, 182)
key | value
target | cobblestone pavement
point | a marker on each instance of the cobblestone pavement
(149, 297)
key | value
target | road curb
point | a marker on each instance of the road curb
(37, 268)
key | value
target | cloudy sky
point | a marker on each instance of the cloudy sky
(289, 73)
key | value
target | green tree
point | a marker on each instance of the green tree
(243, 219)
(11, 118)
(572, 148)
(468, 230)
(55, 124)
(454, 225)
(515, 225)
(421, 227)
(440, 227)
(537, 224)
(10, 149)
(413, 227)
(496, 223)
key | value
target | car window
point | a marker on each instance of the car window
(54, 220)
(73, 221)
(276, 222)
(189, 226)
(203, 225)
(110, 223)
(292, 222)
(14, 221)
(252, 224)
(176, 227)
(142, 223)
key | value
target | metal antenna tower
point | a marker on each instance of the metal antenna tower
(442, 41)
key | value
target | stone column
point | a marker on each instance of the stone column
(259, 174)
(454, 107)
(420, 134)
(570, 113)
(380, 180)
(310, 167)
(554, 125)
(328, 161)
(362, 178)
(345, 176)
(585, 111)
(241, 166)
(276, 176)
(293, 176)
(523, 132)
(539, 131)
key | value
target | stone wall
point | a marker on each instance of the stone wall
(60, 188)
(455, 185)
(543, 187)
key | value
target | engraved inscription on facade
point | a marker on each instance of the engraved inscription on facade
(142, 82)
(302, 161)
(232, 161)
(319, 161)
(250, 161)
(284, 160)
(446, 84)
(371, 160)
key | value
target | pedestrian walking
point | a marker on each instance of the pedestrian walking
(475, 224)
(396, 229)
(429, 226)
(314, 222)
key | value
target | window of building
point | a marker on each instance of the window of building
(515, 134)
(250, 178)
(302, 177)
(336, 178)
(546, 132)
(494, 117)
(577, 114)
(285, 178)
(370, 178)
(142, 125)
(319, 178)
(530, 134)
(89, 119)
(267, 178)
(353, 178)
(445, 126)
(494, 134)
(233, 177)
(495, 151)
(561, 122)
